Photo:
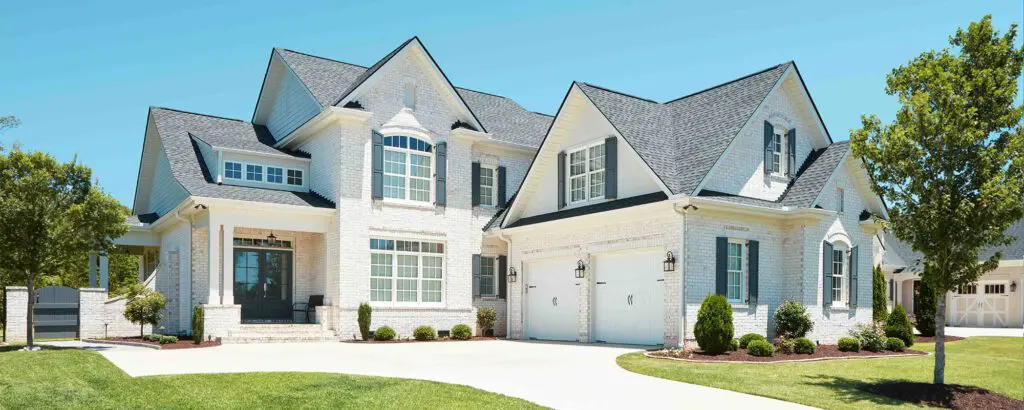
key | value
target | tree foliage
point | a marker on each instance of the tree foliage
(144, 307)
(714, 330)
(924, 309)
(879, 303)
(951, 164)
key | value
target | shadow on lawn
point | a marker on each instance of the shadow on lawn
(15, 348)
(851, 390)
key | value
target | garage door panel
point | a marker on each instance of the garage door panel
(552, 304)
(982, 309)
(629, 298)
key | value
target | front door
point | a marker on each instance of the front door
(263, 284)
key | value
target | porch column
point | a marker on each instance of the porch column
(104, 271)
(229, 264)
(92, 269)
(213, 265)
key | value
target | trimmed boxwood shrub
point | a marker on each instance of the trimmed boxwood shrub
(714, 329)
(760, 348)
(424, 333)
(898, 325)
(734, 345)
(462, 332)
(364, 320)
(792, 320)
(168, 340)
(750, 337)
(384, 333)
(895, 344)
(785, 344)
(848, 344)
(803, 345)
(153, 337)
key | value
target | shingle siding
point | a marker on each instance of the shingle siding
(293, 105)
(166, 193)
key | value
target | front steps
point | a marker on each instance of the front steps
(279, 333)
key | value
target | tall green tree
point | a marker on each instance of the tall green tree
(50, 212)
(879, 303)
(951, 164)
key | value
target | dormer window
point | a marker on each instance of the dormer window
(275, 175)
(253, 172)
(586, 173)
(232, 170)
(408, 168)
(777, 151)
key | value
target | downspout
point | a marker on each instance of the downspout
(187, 291)
(682, 210)
(508, 309)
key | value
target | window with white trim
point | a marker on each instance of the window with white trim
(840, 200)
(488, 276)
(586, 173)
(777, 151)
(487, 178)
(736, 278)
(295, 177)
(408, 168)
(969, 289)
(232, 170)
(995, 289)
(838, 276)
(275, 175)
(253, 172)
(406, 272)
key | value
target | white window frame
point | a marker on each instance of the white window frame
(245, 173)
(266, 173)
(241, 170)
(840, 200)
(493, 187)
(493, 275)
(408, 152)
(587, 173)
(779, 154)
(840, 269)
(302, 177)
(395, 253)
(743, 271)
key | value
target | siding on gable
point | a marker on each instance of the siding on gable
(292, 106)
(209, 158)
(165, 191)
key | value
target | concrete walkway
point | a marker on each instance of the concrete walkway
(562, 376)
(96, 347)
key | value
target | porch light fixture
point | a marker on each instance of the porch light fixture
(271, 237)
(512, 275)
(670, 262)
(581, 269)
(1013, 286)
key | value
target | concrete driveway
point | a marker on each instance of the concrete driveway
(557, 375)
(984, 331)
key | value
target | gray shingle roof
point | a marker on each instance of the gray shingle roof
(813, 175)
(506, 120)
(370, 71)
(1013, 251)
(187, 166)
(326, 79)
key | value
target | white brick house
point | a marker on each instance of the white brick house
(388, 185)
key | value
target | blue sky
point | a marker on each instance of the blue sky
(82, 75)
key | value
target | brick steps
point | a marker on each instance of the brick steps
(282, 333)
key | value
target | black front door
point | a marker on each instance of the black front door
(263, 284)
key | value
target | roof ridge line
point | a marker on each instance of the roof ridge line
(198, 113)
(322, 58)
(502, 97)
(618, 92)
(728, 82)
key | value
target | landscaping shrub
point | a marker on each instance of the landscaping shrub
(792, 320)
(750, 337)
(424, 333)
(462, 332)
(198, 324)
(485, 319)
(878, 299)
(151, 337)
(924, 310)
(848, 344)
(898, 325)
(364, 320)
(384, 333)
(714, 329)
(785, 344)
(804, 345)
(895, 344)
(734, 345)
(870, 336)
(168, 339)
(761, 348)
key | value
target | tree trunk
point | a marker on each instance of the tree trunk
(940, 339)
(30, 315)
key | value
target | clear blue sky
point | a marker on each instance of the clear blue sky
(81, 76)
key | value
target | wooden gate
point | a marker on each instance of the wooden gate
(56, 313)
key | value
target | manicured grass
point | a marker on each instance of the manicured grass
(81, 379)
(993, 363)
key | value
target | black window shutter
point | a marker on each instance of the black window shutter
(892, 290)
(561, 180)
(476, 184)
(721, 264)
(611, 168)
(378, 165)
(502, 282)
(476, 274)
(791, 153)
(752, 266)
(826, 273)
(441, 179)
(853, 277)
(501, 187)
(769, 142)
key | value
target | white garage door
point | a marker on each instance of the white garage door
(629, 298)
(985, 304)
(551, 300)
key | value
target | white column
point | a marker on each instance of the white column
(92, 269)
(229, 263)
(142, 267)
(213, 265)
(104, 271)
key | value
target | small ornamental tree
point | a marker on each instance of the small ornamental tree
(714, 331)
(879, 304)
(924, 309)
(951, 164)
(144, 307)
(485, 319)
(898, 326)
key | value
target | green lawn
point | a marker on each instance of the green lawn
(81, 379)
(994, 363)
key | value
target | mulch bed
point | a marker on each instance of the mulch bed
(951, 396)
(931, 339)
(440, 339)
(823, 352)
(181, 344)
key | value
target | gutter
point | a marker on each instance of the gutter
(508, 312)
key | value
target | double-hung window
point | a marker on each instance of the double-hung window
(586, 173)
(408, 168)
(406, 272)
(777, 151)
(840, 200)
(838, 276)
(253, 172)
(737, 274)
(488, 271)
(275, 175)
(487, 178)
(295, 177)
(232, 170)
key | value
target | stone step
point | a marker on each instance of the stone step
(274, 329)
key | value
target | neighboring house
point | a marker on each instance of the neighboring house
(389, 185)
(995, 300)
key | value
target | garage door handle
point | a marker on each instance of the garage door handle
(602, 283)
(554, 301)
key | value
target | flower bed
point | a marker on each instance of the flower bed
(951, 396)
(183, 343)
(823, 352)
(931, 339)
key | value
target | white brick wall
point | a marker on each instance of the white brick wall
(101, 317)
(16, 322)
(220, 320)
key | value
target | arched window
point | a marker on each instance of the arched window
(408, 168)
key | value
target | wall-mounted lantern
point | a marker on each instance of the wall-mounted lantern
(1013, 286)
(512, 275)
(581, 269)
(670, 262)
(271, 237)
